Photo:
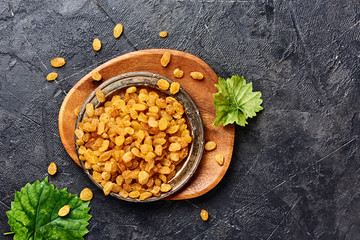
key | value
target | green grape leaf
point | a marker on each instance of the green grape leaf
(235, 101)
(34, 213)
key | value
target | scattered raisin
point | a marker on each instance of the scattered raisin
(96, 76)
(210, 145)
(52, 169)
(96, 44)
(219, 159)
(197, 75)
(204, 215)
(51, 76)
(163, 34)
(58, 62)
(86, 194)
(118, 29)
(64, 211)
(178, 73)
(165, 59)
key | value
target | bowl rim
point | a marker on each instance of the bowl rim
(197, 115)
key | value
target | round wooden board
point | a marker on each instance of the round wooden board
(208, 173)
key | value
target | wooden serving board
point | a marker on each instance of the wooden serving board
(208, 173)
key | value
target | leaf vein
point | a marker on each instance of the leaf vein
(37, 210)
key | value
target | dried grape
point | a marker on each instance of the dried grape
(64, 211)
(52, 169)
(118, 29)
(86, 194)
(163, 34)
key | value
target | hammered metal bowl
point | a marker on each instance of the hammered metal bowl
(118, 85)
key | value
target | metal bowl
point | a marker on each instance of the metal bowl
(118, 84)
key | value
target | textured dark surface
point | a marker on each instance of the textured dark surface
(295, 167)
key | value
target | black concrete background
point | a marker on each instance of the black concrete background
(295, 167)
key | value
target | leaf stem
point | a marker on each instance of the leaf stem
(8, 233)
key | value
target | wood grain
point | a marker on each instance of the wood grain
(209, 173)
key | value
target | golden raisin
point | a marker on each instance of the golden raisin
(164, 170)
(197, 75)
(152, 122)
(96, 44)
(143, 177)
(100, 96)
(128, 157)
(156, 190)
(174, 88)
(211, 145)
(165, 59)
(174, 147)
(101, 128)
(96, 76)
(51, 76)
(108, 187)
(97, 176)
(52, 169)
(58, 62)
(172, 129)
(163, 84)
(104, 156)
(165, 187)
(219, 158)
(145, 148)
(131, 90)
(163, 178)
(89, 110)
(157, 182)
(174, 156)
(163, 34)
(134, 194)
(123, 193)
(149, 156)
(153, 109)
(178, 73)
(116, 188)
(82, 150)
(139, 106)
(163, 123)
(204, 215)
(145, 195)
(129, 130)
(86, 194)
(118, 29)
(64, 211)
(79, 133)
(119, 180)
(110, 166)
